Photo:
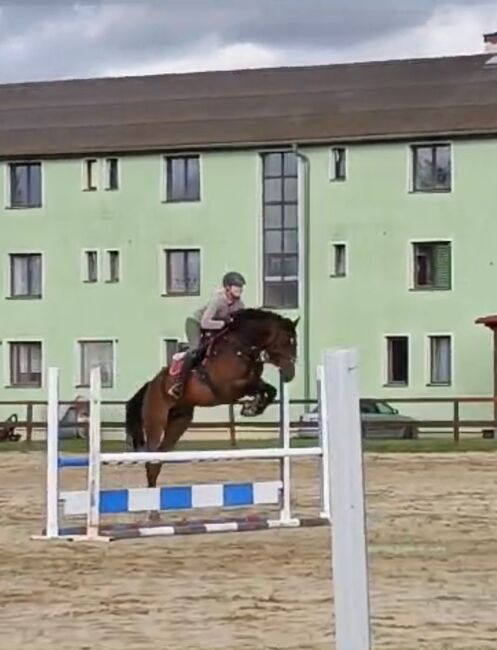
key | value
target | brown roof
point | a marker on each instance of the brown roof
(382, 100)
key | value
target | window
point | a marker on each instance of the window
(183, 178)
(338, 164)
(25, 275)
(432, 265)
(397, 360)
(25, 185)
(431, 168)
(25, 364)
(440, 360)
(90, 174)
(90, 266)
(183, 272)
(97, 354)
(339, 260)
(280, 230)
(112, 174)
(113, 271)
(171, 347)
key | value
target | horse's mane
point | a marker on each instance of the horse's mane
(251, 315)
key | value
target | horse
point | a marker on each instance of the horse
(228, 367)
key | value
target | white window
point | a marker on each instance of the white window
(112, 266)
(96, 354)
(338, 260)
(25, 362)
(25, 275)
(338, 164)
(90, 174)
(440, 360)
(90, 266)
(397, 360)
(182, 272)
(111, 173)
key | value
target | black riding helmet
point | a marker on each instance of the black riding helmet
(233, 278)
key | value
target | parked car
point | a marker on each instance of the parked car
(378, 420)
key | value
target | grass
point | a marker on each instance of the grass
(424, 445)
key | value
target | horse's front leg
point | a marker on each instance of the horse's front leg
(263, 394)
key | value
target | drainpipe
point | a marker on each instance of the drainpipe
(306, 211)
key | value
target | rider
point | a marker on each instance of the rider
(208, 319)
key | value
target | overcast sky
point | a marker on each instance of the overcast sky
(64, 39)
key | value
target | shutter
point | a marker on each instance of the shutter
(443, 266)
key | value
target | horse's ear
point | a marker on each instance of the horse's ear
(296, 322)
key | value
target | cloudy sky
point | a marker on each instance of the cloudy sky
(64, 39)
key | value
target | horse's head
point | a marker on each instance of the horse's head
(282, 347)
(273, 335)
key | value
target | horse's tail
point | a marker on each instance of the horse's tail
(134, 420)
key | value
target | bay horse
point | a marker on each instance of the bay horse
(228, 367)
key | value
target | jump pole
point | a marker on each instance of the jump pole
(346, 495)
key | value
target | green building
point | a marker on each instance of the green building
(360, 197)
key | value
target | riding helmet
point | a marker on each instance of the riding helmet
(233, 278)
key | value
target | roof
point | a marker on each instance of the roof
(417, 98)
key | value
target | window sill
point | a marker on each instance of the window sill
(111, 282)
(33, 297)
(338, 275)
(428, 289)
(180, 295)
(90, 281)
(78, 386)
(111, 189)
(337, 180)
(21, 386)
(434, 191)
(166, 201)
(439, 385)
(89, 189)
(396, 385)
(23, 207)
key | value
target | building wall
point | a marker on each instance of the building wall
(373, 211)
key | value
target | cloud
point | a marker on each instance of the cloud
(40, 40)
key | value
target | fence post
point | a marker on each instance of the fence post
(346, 485)
(285, 513)
(94, 463)
(29, 422)
(232, 425)
(457, 424)
(52, 523)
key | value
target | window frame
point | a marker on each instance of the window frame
(166, 273)
(163, 348)
(78, 356)
(107, 266)
(284, 282)
(167, 176)
(85, 176)
(8, 368)
(9, 204)
(386, 360)
(333, 166)
(428, 360)
(413, 148)
(334, 245)
(84, 266)
(107, 173)
(412, 264)
(10, 276)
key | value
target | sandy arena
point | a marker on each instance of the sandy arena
(433, 550)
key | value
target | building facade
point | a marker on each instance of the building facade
(377, 227)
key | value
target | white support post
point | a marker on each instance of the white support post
(94, 460)
(349, 545)
(52, 505)
(323, 443)
(285, 476)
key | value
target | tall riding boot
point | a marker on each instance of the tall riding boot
(176, 390)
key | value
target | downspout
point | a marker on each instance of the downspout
(306, 313)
